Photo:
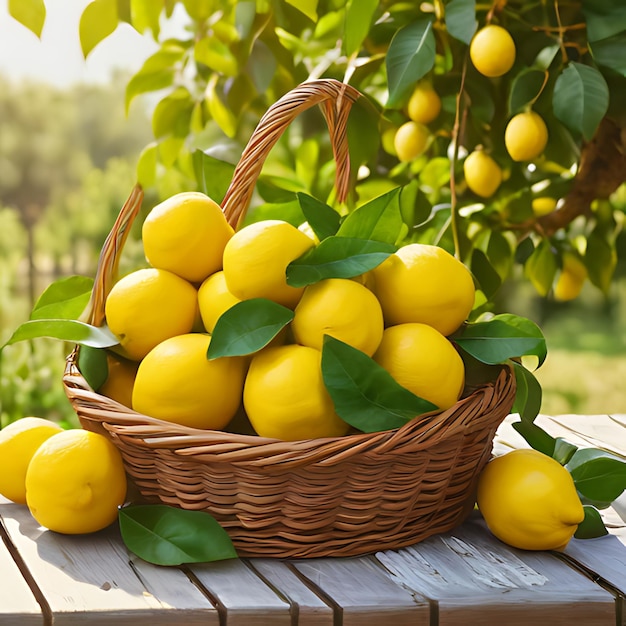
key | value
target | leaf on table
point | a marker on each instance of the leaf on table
(599, 476)
(592, 526)
(165, 535)
(536, 437)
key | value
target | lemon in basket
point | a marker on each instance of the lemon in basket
(423, 361)
(177, 383)
(75, 482)
(120, 379)
(529, 500)
(147, 306)
(256, 259)
(285, 397)
(18, 442)
(426, 284)
(214, 299)
(186, 234)
(342, 308)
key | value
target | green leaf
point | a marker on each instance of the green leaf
(359, 16)
(598, 475)
(92, 364)
(65, 298)
(535, 436)
(97, 22)
(220, 112)
(247, 327)
(600, 259)
(307, 7)
(144, 15)
(216, 55)
(378, 220)
(337, 257)
(580, 99)
(487, 277)
(147, 165)
(213, 175)
(525, 88)
(563, 450)
(461, 19)
(29, 13)
(411, 56)
(527, 395)
(592, 525)
(541, 266)
(611, 53)
(604, 18)
(323, 219)
(65, 330)
(165, 535)
(503, 337)
(172, 114)
(365, 395)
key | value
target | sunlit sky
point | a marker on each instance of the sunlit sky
(57, 58)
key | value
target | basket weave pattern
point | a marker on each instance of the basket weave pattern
(340, 496)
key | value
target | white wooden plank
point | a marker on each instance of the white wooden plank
(17, 602)
(310, 608)
(90, 575)
(363, 592)
(243, 598)
(474, 579)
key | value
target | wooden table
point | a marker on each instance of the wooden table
(464, 577)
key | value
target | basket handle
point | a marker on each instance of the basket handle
(337, 99)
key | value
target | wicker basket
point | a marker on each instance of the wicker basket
(340, 496)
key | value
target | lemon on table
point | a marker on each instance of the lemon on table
(424, 104)
(423, 361)
(75, 482)
(342, 308)
(492, 51)
(186, 235)
(411, 140)
(18, 442)
(526, 136)
(529, 500)
(177, 383)
(285, 397)
(256, 259)
(147, 306)
(214, 299)
(482, 174)
(424, 283)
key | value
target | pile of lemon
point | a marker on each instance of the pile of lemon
(401, 314)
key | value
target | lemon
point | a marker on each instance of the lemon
(18, 442)
(75, 482)
(285, 398)
(186, 234)
(426, 284)
(177, 383)
(147, 306)
(424, 104)
(214, 299)
(529, 500)
(341, 308)
(571, 279)
(411, 140)
(256, 259)
(492, 51)
(525, 136)
(120, 380)
(482, 174)
(543, 205)
(421, 359)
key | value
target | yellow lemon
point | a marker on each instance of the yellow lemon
(285, 398)
(421, 359)
(526, 136)
(411, 140)
(426, 284)
(147, 306)
(256, 259)
(75, 482)
(214, 299)
(529, 500)
(18, 442)
(341, 308)
(482, 174)
(571, 279)
(177, 383)
(186, 234)
(543, 205)
(492, 51)
(120, 380)
(424, 104)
